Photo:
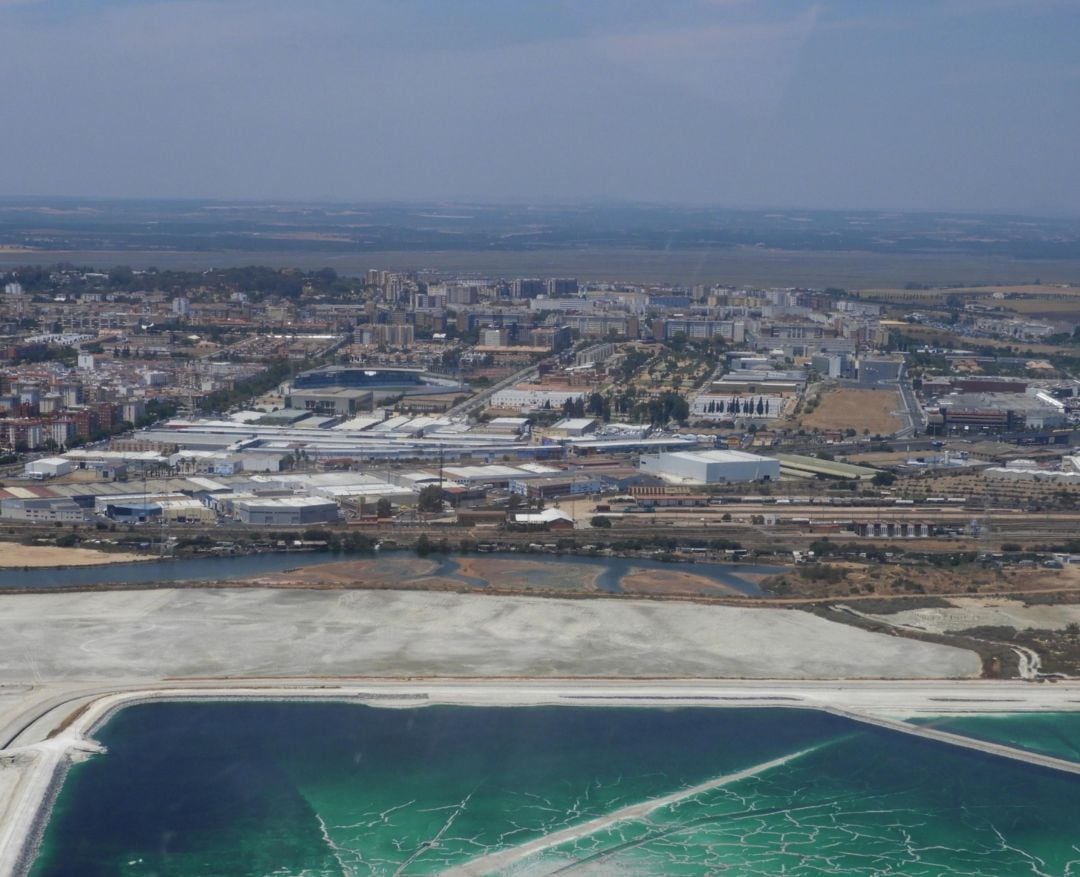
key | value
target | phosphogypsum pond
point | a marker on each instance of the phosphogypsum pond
(311, 789)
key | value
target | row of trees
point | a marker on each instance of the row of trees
(657, 410)
(739, 406)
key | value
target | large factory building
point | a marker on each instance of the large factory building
(287, 511)
(710, 467)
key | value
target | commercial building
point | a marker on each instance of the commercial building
(286, 511)
(710, 467)
(829, 365)
(564, 484)
(548, 519)
(571, 427)
(44, 510)
(136, 509)
(48, 467)
(331, 400)
(997, 411)
(529, 397)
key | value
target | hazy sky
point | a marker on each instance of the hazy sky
(965, 104)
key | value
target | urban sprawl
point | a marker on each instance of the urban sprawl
(679, 419)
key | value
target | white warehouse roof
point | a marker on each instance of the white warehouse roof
(718, 456)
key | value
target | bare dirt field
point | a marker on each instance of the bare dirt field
(15, 555)
(860, 410)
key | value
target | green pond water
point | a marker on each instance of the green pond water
(313, 789)
(1056, 734)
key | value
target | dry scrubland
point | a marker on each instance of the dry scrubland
(860, 410)
(847, 579)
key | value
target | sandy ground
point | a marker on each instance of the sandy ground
(531, 573)
(386, 571)
(14, 555)
(672, 583)
(970, 612)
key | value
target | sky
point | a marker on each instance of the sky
(918, 105)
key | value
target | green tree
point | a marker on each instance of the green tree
(431, 499)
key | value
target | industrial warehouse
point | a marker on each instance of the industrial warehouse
(710, 467)
(351, 468)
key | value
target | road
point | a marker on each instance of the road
(480, 399)
(912, 409)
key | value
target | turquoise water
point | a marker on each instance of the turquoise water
(307, 790)
(1056, 734)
